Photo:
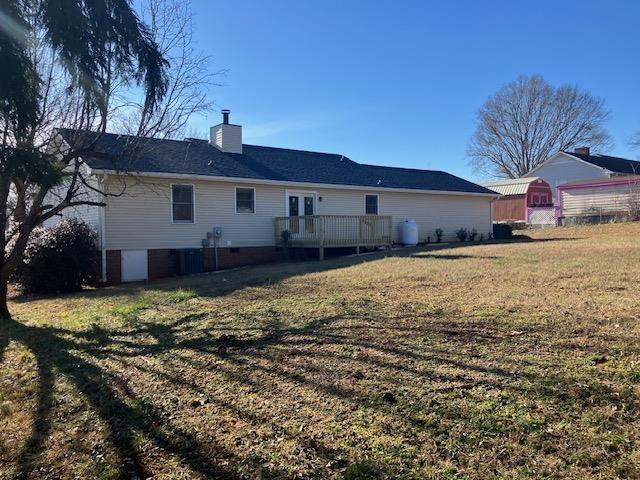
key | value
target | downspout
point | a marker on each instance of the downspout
(103, 230)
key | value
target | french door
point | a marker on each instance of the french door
(301, 204)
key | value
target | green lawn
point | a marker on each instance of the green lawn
(517, 360)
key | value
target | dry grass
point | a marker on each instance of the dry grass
(492, 361)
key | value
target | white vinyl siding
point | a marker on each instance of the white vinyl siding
(90, 214)
(138, 218)
(612, 199)
(563, 169)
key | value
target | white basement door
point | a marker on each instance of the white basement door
(134, 265)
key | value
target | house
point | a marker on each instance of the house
(599, 200)
(526, 200)
(206, 205)
(564, 167)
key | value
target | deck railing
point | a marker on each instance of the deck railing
(322, 231)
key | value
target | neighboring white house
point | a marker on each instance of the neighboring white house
(597, 201)
(197, 194)
(564, 167)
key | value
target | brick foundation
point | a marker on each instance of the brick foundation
(237, 257)
(114, 267)
(162, 263)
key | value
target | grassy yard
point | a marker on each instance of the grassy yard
(517, 360)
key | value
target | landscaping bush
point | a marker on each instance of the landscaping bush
(59, 259)
(462, 234)
(502, 230)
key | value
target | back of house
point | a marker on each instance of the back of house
(220, 201)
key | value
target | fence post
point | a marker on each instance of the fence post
(321, 228)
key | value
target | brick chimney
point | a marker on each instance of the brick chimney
(581, 150)
(225, 136)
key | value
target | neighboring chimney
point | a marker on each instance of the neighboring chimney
(581, 150)
(225, 136)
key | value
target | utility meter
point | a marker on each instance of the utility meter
(217, 232)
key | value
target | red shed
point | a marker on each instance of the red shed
(527, 200)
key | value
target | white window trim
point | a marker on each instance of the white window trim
(316, 206)
(364, 199)
(235, 200)
(193, 196)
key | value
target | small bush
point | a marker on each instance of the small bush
(439, 233)
(473, 234)
(502, 230)
(462, 234)
(59, 259)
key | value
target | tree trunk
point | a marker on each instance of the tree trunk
(4, 308)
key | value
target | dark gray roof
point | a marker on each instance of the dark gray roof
(198, 157)
(613, 164)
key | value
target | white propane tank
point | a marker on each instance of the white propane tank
(410, 232)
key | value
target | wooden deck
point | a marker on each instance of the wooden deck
(327, 231)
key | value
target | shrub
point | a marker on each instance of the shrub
(502, 230)
(462, 234)
(473, 234)
(59, 259)
(439, 233)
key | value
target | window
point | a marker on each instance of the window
(182, 204)
(245, 200)
(371, 204)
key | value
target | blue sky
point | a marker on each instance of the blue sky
(399, 83)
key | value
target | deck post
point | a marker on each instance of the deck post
(321, 235)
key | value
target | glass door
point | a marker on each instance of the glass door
(309, 209)
(301, 204)
(294, 211)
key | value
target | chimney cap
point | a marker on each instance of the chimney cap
(225, 115)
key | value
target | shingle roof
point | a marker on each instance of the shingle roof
(198, 157)
(613, 164)
(394, 177)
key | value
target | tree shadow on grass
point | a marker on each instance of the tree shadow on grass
(123, 420)
(75, 355)
(70, 353)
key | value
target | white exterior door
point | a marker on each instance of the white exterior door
(134, 265)
(301, 204)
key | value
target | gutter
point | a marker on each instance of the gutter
(103, 234)
(257, 181)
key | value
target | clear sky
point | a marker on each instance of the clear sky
(399, 83)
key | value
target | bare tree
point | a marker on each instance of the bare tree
(634, 141)
(190, 76)
(41, 175)
(528, 120)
